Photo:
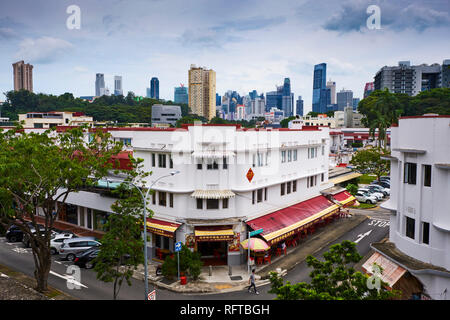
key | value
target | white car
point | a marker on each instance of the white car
(365, 197)
(385, 191)
(57, 241)
(378, 195)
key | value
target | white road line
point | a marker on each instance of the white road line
(68, 278)
(58, 262)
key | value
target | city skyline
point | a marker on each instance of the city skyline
(246, 55)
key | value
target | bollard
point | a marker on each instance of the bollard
(210, 271)
(230, 271)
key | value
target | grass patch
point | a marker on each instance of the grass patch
(364, 206)
(366, 179)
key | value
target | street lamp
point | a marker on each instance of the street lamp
(145, 224)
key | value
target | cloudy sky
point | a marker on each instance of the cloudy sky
(250, 44)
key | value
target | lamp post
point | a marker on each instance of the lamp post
(145, 225)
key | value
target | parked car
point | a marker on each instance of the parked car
(14, 234)
(26, 238)
(365, 197)
(71, 247)
(385, 191)
(385, 178)
(377, 194)
(384, 184)
(86, 258)
(57, 240)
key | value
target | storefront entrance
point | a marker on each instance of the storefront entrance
(213, 253)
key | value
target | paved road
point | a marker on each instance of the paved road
(14, 256)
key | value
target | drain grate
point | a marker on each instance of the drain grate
(234, 278)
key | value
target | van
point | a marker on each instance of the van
(71, 247)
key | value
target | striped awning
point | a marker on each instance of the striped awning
(214, 233)
(345, 198)
(212, 194)
(163, 228)
(214, 154)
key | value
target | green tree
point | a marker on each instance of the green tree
(369, 161)
(334, 278)
(39, 170)
(190, 119)
(285, 122)
(352, 188)
(313, 114)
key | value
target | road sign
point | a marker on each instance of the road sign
(253, 233)
(250, 175)
(178, 246)
(152, 295)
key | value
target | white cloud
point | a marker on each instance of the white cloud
(42, 50)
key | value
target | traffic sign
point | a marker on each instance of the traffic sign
(152, 295)
(178, 246)
(253, 233)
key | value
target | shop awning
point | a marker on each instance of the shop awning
(212, 194)
(218, 233)
(391, 272)
(345, 198)
(345, 177)
(286, 222)
(163, 228)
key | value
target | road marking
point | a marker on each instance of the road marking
(379, 222)
(58, 262)
(20, 250)
(68, 278)
(361, 236)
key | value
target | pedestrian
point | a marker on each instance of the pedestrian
(251, 281)
(283, 247)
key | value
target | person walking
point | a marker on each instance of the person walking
(251, 281)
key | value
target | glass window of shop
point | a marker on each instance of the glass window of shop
(71, 213)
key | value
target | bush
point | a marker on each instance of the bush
(169, 268)
(195, 269)
(352, 188)
(357, 144)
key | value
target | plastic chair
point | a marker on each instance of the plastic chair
(259, 260)
(279, 251)
(267, 259)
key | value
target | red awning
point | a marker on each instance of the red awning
(163, 228)
(345, 198)
(283, 223)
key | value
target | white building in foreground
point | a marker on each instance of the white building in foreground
(420, 203)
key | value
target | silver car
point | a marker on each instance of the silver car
(71, 247)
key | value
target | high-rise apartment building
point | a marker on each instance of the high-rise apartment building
(368, 89)
(154, 88)
(332, 86)
(319, 102)
(99, 84)
(181, 95)
(202, 91)
(118, 86)
(411, 80)
(23, 76)
(344, 99)
(299, 106)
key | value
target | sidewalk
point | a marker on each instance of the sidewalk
(220, 281)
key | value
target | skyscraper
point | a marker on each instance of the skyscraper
(181, 95)
(344, 99)
(202, 92)
(319, 101)
(99, 84)
(332, 86)
(368, 89)
(287, 98)
(154, 88)
(355, 103)
(118, 86)
(23, 76)
(299, 107)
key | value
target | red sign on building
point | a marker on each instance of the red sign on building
(250, 175)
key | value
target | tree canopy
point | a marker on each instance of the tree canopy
(369, 161)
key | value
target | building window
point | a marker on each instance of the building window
(282, 189)
(154, 198)
(225, 164)
(427, 175)
(171, 200)
(254, 160)
(89, 218)
(294, 186)
(289, 155)
(260, 195)
(170, 162)
(410, 227)
(212, 204)
(199, 166)
(199, 203)
(253, 197)
(283, 156)
(425, 232)
(323, 150)
(212, 165)
(162, 160)
(153, 160)
(288, 189)
(265, 194)
(166, 242)
(224, 203)
(295, 155)
(322, 177)
(410, 173)
(162, 199)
